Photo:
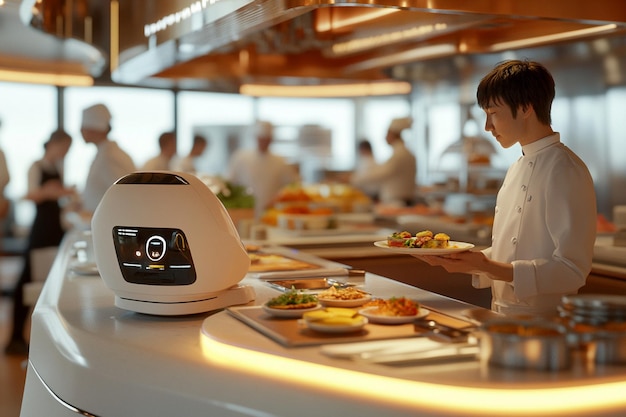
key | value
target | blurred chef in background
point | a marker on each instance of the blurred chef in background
(395, 178)
(188, 163)
(263, 172)
(162, 161)
(364, 164)
(111, 162)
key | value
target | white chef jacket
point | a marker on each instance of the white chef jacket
(265, 174)
(110, 164)
(395, 177)
(185, 164)
(365, 164)
(157, 163)
(545, 225)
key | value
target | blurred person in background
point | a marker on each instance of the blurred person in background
(110, 163)
(396, 177)
(263, 172)
(45, 189)
(5, 177)
(365, 163)
(162, 161)
(188, 163)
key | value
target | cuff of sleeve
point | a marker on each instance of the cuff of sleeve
(524, 284)
(480, 281)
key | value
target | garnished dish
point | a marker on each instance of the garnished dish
(292, 303)
(398, 239)
(334, 320)
(423, 239)
(394, 310)
(423, 243)
(343, 297)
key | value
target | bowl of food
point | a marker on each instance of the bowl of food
(394, 310)
(343, 297)
(334, 320)
(291, 304)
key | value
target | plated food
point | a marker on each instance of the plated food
(334, 320)
(343, 297)
(423, 239)
(423, 243)
(292, 303)
(394, 310)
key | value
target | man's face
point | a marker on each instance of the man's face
(502, 125)
(263, 143)
(87, 135)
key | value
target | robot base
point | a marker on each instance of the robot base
(233, 296)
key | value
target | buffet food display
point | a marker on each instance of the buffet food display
(315, 207)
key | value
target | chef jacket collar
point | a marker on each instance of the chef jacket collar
(540, 144)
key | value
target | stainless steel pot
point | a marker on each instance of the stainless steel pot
(609, 346)
(525, 344)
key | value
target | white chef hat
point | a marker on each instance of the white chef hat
(263, 129)
(96, 117)
(398, 125)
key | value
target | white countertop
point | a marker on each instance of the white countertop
(112, 362)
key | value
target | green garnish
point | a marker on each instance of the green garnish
(292, 297)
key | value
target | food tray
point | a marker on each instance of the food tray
(267, 262)
(289, 332)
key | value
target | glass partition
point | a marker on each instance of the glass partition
(223, 119)
(28, 114)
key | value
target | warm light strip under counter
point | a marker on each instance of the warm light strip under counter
(593, 399)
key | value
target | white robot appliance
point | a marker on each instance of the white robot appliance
(165, 245)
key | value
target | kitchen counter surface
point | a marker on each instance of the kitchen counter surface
(101, 360)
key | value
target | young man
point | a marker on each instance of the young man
(545, 217)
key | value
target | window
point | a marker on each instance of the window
(28, 114)
(220, 118)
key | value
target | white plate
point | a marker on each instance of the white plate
(331, 302)
(289, 312)
(378, 318)
(334, 328)
(453, 247)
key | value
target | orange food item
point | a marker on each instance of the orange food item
(395, 306)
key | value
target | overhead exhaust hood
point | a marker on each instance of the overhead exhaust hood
(32, 56)
(221, 45)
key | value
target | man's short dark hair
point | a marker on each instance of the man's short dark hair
(166, 137)
(519, 84)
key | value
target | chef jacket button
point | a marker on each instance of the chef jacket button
(496, 209)
(518, 209)
(514, 240)
(530, 164)
(530, 197)
(524, 188)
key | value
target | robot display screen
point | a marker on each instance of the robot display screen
(153, 255)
